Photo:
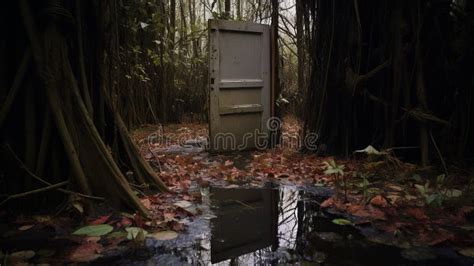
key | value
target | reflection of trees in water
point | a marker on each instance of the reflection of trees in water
(296, 219)
(288, 218)
(254, 258)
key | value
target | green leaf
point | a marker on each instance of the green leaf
(417, 178)
(341, 222)
(94, 230)
(440, 179)
(431, 198)
(136, 233)
(420, 188)
(453, 193)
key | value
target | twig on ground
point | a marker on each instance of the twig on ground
(157, 159)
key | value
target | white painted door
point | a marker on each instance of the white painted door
(239, 70)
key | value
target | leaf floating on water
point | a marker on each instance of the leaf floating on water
(183, 204)
(468, 252)
(165, 235)
(86, 252)
(341, 222)
(468, 227)
(26, 227)
(329, 236)
(208, 216)
(94, 230)
(23, 255)
(46, 252)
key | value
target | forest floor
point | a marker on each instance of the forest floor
(409, 205)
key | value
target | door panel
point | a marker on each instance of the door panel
(239, 84)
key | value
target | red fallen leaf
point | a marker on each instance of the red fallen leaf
(169, 215)
(389, 227)
(463, 211)
(366, 211)
(177, 226)
(376, 213)
(417, 213)
(124, 222)
(440, 237)
(139, 222)
(379, 201)
(327, 203)
(100, 220)
(86, 252)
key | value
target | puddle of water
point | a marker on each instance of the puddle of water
(277, 225)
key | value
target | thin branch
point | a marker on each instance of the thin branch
(443, 163)
(33, 192)
(28, 171)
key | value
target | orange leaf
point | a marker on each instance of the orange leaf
(417, 213)
(378, 201)
(86, 252)
(327, 203)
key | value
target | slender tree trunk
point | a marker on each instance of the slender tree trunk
(300, 45)
(227, 8)
(238, 6)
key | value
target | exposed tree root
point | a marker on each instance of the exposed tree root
(93, 167)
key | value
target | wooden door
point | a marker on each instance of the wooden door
(239, 71)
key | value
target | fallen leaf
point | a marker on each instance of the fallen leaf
(370, 150)
(468, 227)
(94, 230)
(341, 222)
(23, 255)
(146, 203)
(78, 206)
(417, 213)
(46, 252)
(26, 227)
(183, 204)
(329, 236)
(177, 226)
(100, 220)
(453, 193)
(393, 198)
(124, 222)
(379, 201)
(136, 233)
(86, 252)
(165, 235)
(327, 203)
(468, 252)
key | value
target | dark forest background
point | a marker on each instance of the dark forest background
(76, 76)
